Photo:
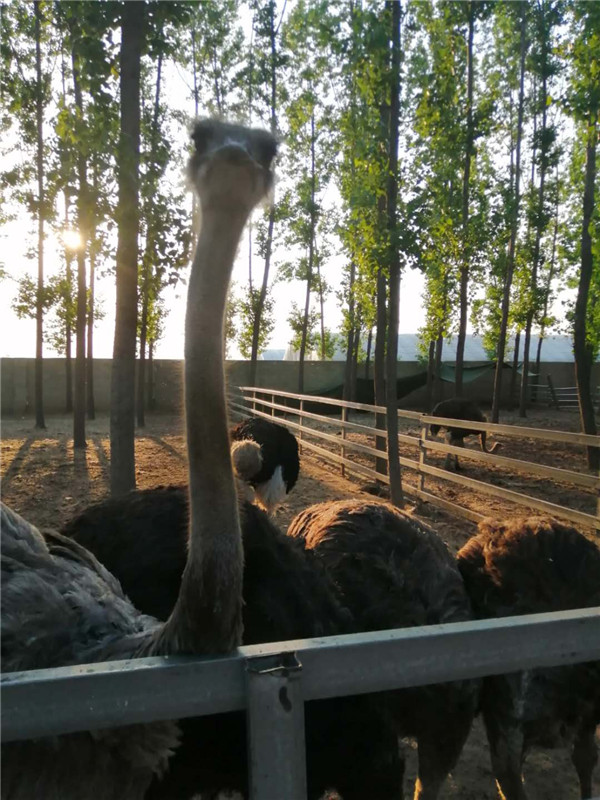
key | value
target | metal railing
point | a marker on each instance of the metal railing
(95, 696)
(336, 447)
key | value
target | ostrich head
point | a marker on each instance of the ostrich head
(231, 165)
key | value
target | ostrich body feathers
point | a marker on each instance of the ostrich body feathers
(528, 566)
(82, 616)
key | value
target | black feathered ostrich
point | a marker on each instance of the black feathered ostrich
(61, 607)
(460, 408)
(393, 572)
(529, 566)
(280, 462)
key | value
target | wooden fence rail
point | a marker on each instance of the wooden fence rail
(266, 403)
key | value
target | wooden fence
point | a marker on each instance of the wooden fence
(335, 448)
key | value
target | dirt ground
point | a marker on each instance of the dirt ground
(47, 482)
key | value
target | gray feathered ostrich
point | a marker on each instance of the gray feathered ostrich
(393, 572)
(460, 408)
(280, 461)
(61, 607)
(529, 566)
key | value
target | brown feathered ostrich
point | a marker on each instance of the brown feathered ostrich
(61, 607)
(393, 572)
(528, 566)
(460, 408)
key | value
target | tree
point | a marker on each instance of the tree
(27, 87)
(584, 105)
(267, 61)
(394, 11)
(515, 201)
(546, 15)
(122, 429)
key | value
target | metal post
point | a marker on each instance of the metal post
(272, 404)
(276, 751)
(300, 422)
(343, 449)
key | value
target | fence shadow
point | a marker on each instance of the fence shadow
(103, 459)
(17, 462)
(165, 445)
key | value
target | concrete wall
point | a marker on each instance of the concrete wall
(17, 381)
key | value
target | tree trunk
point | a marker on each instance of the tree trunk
(464, 271)
(347, 391)
(379, 368)
(368, 353)
(122, 428)
(430, 375)
(510, 267)
(311, 256)
(40, 422)
(151, 401)
(548, 287)
(513, 374)
(68, 330)
(437, 384)
(147, 260)
(269, 243)
(91, 406)
(79, 441)
(540, 225)
(141, 371)
(322, 311)
(584, 354)
(354, 371)
(394, 9)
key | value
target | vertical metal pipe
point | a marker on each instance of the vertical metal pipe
(276, 751)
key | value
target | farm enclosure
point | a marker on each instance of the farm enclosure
(45, 481)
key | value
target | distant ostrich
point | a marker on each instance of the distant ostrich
(528, 566)
(460, 408)
(393, 572)
(61, 607)
(280, 461)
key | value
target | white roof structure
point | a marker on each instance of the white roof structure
(556, 348)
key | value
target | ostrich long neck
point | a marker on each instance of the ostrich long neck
(207, 616)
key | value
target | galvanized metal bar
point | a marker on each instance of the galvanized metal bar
(276, 750)
(53, 701)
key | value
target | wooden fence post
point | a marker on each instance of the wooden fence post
(300, 423)
(422, 456)
(343, 449)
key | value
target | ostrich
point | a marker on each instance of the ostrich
(280, 462)
(529, 566)
(393, 572)
(460, 408)
(61, 607)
